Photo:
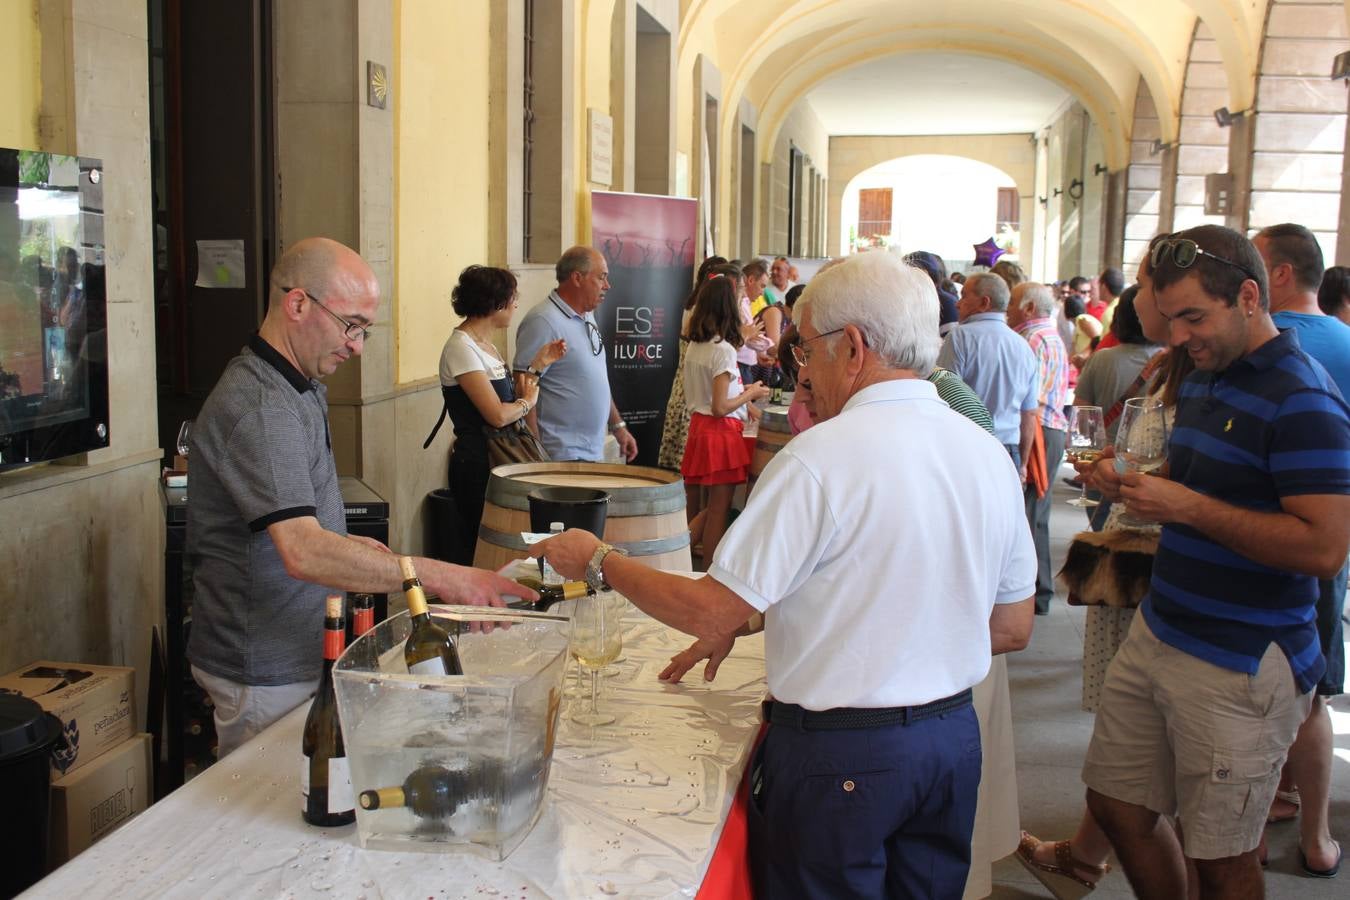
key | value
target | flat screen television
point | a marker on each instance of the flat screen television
(53, 307)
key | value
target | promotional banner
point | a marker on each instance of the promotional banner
(648, 242)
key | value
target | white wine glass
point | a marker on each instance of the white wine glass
(184, 443)
(1086, 441)
(595, 643)
(1141, 441)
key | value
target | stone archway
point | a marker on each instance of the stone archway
(1013, 154)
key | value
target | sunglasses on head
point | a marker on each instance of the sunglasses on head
(1184, 252)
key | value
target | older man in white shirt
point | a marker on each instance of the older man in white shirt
(908, 563)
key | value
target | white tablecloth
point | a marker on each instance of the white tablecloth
(634, 809)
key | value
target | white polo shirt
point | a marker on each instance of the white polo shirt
(877, 545)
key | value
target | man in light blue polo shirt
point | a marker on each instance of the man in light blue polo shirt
(574, 397)
(997, 363)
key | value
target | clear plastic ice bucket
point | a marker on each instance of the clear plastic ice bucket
(492, 727)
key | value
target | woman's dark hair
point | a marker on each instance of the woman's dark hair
(1335, 289)
(704, 269)
(793, 293)
(1073, 306)
(481, 291)
(786, 360)
(716, 312)
(1125, 323)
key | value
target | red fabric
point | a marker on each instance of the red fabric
(716, 451)
(728, 875)
(1096, 309)
(1037, 477)
(1108, 340)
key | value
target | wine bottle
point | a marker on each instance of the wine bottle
(363, 614)
(429, 650)
(550, 594)
(325, 778)
(430, 792)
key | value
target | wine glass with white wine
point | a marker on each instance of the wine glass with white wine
(1086, 441)
(1141, 441)
(595, 643)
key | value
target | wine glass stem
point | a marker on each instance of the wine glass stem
(595, 677)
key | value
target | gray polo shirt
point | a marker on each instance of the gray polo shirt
(260, 454)
(574, 392)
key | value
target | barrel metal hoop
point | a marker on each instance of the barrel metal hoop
(652, 547)
(513, 493)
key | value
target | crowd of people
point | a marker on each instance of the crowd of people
(894, 545)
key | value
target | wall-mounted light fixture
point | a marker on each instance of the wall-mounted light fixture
(1340, 66)
(1226, 118)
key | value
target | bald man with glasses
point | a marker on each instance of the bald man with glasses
(266, 532)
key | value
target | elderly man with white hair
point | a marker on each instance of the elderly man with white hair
(1031, 313)
(908, 562)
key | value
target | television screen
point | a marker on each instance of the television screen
(53, 334)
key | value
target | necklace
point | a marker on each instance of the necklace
(482, 342)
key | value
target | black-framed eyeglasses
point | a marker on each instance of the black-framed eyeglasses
(1185, 252)
(350, 330)
(801, 354)
(597, 342)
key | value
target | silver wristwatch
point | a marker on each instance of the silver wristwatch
(595, 578)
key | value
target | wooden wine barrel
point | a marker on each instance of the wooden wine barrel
(646, 514)
(774, 432)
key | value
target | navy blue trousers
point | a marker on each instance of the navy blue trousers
(879, 812)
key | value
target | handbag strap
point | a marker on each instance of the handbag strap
(1119, 406)
(436, 428)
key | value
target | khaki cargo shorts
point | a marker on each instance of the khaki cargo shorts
(1184, 737)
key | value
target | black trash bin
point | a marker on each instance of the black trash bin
(443, 538)
(27, 735)
(575, 507)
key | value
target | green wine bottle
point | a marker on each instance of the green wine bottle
(430, 792)
(429, 650)
(550, 594)
(325, 778)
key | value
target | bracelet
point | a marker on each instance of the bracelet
(535, 372)
(524, 407)
(617, 425)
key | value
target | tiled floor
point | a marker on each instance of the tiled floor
(1052, 734)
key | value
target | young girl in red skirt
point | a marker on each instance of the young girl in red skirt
(715, 454)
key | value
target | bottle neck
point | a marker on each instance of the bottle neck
(417, 599)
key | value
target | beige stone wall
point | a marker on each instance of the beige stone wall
(1144, 182)
(1203, 146)
(83, 541)
(1299, 128)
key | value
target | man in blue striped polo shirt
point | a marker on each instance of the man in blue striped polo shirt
(1206, 694)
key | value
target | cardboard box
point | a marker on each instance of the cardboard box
(96, 706)
(96, 800)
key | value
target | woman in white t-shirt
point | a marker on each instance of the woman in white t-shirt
(477, 389)
(715, 454)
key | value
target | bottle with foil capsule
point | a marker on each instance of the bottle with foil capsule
(325, 778)
(430, 792)
(429, 650)
(550, 594)
(363, 614)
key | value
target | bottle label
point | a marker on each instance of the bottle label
(433, 666)
(304, 782)
(341, 797)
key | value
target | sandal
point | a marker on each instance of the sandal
(1290, 797)
(1068, 878)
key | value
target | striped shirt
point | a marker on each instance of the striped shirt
(958, 395)
(1043, 336)
(1272, 425)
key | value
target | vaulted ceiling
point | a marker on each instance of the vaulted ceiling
(774, 53)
